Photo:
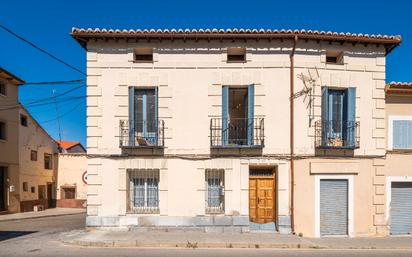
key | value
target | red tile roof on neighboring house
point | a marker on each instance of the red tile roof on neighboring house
(9, 76)
(403, 88)
(67, 144)
(83, 35)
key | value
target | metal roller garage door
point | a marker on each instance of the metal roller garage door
(333, 207)
(401, 208)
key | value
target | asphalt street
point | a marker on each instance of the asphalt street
(40, 237)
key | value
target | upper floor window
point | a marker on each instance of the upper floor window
(48, 162)
(33, 155)
(338, 127)
(25, 187)
(334, 57)
(23, 120)
(2, 130)
(3, 90)
(401, 132)
(143, 121)
(143, 55)
(236, 54)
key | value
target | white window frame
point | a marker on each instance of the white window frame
(389, 181)
(350, 179)
(391, 119)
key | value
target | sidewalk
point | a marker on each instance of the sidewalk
(194, 239)
(41, 214)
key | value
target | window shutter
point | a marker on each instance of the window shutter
(156, 125)
(350, 116)
(325, 122)
(225, 115)
(250, 114)
(402, 134)
(131, 117)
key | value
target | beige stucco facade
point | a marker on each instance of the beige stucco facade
(398, 161)
(9, 148)
(189, 76)
(41, 181)
(71, 168)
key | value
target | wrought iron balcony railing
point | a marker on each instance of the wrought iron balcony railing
(237, 132)
(136, 134)
(337, 134)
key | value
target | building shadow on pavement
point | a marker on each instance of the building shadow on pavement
(6, 235)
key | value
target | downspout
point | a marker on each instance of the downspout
(292, 135)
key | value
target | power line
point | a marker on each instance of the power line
(64, 114)
(41, 50)
(56, 82)
(43, 99)
(45, 103)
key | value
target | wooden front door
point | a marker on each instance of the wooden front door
(262, 196)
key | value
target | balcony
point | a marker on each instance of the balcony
(237, 133)
(337, 134)
(141, 134)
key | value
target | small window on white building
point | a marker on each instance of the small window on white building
(143, 55)
(68, 192)
(3, 90)
(236, 54)
(33, 189)
(334, 57)
(143, 191)
(401, 132)
(215, 190)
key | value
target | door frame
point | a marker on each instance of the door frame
(389, 181)
(5, 189)
(350, 179)
(275, 189)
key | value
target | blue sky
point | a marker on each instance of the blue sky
(48, 23)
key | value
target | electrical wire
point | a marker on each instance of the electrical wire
(44, 103)
(41, 50)
(64, 114)
(74, 81)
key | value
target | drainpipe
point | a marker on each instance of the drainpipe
(292, 135)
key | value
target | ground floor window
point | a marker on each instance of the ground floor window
(143, 191)
(68, 193)
(215, 190)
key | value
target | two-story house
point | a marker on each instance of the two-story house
(9, 143)
(398, 184)
(236, 130)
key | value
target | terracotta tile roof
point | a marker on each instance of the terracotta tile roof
(67, 144)
(8, 75)
(399, 88)
(82, 35)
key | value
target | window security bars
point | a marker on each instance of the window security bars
(215, 191)
(141, 133)
(337, 134)
(143, 191)
(241, 132)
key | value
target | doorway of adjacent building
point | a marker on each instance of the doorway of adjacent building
(262, 198)
(51, 202)
(3, 189)
(401, 208)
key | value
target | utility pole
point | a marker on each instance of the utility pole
(57, 116)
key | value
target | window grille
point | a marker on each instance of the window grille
(215, 191)
(143, 191)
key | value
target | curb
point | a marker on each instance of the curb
(143, 244)
(45, 216)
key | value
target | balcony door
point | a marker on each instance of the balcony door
(143, 122)
(237, 115)
(338, 117)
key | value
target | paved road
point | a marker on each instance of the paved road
(40, 237)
